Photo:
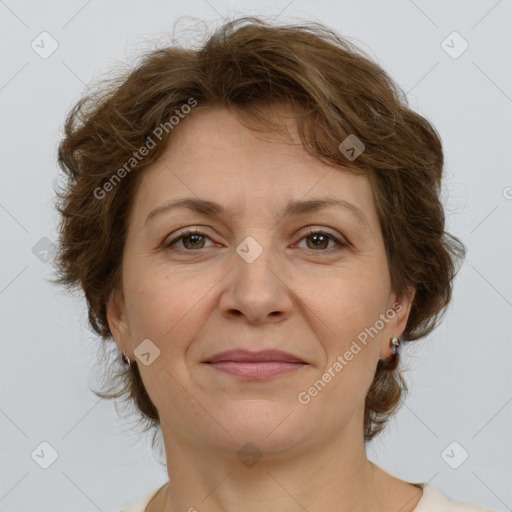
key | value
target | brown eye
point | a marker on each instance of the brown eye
(319, 240)
(191, 240)
(195, 241)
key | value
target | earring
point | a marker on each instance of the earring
(395, 344)
(126, 360)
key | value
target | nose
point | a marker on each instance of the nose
(256, 289)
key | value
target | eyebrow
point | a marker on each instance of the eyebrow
(293, 208)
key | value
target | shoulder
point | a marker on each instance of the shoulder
(140, 505)
(433, 500)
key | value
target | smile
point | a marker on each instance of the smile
(257, 370)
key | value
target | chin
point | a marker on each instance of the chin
(270, 426)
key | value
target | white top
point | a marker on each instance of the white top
(432, 500)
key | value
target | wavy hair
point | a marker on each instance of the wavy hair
(250, 65)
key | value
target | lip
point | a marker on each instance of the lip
(261, 365)
(261, 356)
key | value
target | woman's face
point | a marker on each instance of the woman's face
(254, 279)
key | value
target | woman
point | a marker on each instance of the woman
(257, 225)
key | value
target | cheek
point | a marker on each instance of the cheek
(353, 307)
(350, 359)
(163, 308)
(355, 303)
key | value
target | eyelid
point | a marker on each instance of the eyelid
(321, 229)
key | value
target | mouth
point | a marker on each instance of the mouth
(261, 365)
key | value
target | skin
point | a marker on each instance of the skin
(303, 295)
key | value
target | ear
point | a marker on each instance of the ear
(118, 321)
(398, 314)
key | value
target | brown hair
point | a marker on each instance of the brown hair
(249, 65)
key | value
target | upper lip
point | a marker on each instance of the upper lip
(247, 355)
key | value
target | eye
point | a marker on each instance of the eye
(320, 239)
(192, 239)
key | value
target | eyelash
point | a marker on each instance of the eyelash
(311, 232)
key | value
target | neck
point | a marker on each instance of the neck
(333, 476)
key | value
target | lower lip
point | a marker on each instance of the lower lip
(257, 370)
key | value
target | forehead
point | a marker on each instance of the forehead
(221, 132)
(212, 155)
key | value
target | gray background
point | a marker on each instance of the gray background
(459, 376)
